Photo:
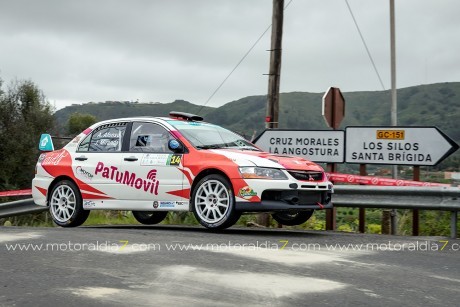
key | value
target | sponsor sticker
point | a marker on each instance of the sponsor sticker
(54, 158)
(89, 204)
(81, 172)
(160, 159)
(167, 204)
(247, 193)
(149, 184)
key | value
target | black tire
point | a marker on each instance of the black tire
(214, 210)
(150, 217)
(292, 219)
(66, 206)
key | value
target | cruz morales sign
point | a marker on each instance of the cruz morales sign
(397, 145)
(314, 145)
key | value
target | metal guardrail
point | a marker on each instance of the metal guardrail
(20, 207)
(424, 198)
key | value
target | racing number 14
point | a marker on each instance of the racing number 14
(175, 159)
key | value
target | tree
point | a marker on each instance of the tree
(25, 114)
(78, 122)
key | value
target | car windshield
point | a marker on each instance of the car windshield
(208, 136)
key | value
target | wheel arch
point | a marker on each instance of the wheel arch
(210, 171)
(55, 182)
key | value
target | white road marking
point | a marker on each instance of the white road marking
(277, 285)
(96, 292)
(445, 278)
(293, 257)
(197, 283)
(18, 236)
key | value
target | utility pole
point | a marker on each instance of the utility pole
(394, 103)
(273, 96)
(275, 66)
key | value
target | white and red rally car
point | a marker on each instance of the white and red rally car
(152, 165)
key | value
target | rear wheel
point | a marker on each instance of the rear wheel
(292, 219)
(150, 217)
(213, 202)
(66, 205)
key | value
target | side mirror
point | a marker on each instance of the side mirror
(175, 146)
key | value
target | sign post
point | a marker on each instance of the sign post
(333, 112)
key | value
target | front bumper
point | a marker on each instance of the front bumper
(288, 200)
(270, 205)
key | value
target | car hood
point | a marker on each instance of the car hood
(265, 159)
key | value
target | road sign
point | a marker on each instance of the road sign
(397, 145)
(333, 107)
(318, 146)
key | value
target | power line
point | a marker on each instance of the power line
(365, 45)
(238, 64)
(234, 68)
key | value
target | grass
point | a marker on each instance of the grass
(431, 222)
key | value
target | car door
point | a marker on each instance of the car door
(97, 161)
(151, 169)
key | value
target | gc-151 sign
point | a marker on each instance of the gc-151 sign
(318, 146)
(397, 145)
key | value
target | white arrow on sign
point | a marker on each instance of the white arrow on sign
(397, 145)
(315, 145)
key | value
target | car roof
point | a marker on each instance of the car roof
(173, 116)
(136, 118)
(164, 120)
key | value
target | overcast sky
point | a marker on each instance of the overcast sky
(160, 51)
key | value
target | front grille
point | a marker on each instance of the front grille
(306, 175)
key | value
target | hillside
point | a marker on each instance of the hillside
(424, 105)
(116, 109)
(436, 104)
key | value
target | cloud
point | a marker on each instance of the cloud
(80, 51)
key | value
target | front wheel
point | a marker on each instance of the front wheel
(288, 219)
(150, 217)
(66, 205)
(213, 202)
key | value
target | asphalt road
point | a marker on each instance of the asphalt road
(185, 266)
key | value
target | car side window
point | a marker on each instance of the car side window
(148, 137)
(107, 138)
(84, 145)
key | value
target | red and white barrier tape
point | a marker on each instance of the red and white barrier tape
(16, 193)
(371, 180)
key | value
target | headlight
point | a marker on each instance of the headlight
(250, 172)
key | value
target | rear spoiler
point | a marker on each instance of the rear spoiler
(46, 141)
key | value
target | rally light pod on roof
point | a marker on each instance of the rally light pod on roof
(186, 116)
